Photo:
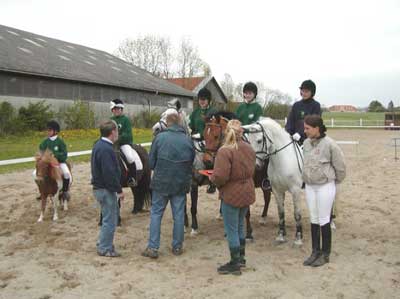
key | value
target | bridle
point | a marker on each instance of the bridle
(263, 155)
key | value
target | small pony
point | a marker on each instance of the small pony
(49, 180)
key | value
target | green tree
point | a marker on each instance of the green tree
(376, 106)
(390, 106)
(78, 116)
(7, 118)
(34, 117)
(276, 110)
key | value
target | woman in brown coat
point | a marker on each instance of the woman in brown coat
(233, 175)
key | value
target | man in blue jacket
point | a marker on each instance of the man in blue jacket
(171, 159)
(306, 106)
(106, 175)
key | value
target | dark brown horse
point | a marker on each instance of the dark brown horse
(49, 180)
(141, 193)
(213, 137)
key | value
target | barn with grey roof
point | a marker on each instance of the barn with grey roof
(35, 67)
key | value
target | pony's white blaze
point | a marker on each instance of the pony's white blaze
(284, 169)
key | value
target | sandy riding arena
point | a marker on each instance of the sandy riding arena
(59, 260)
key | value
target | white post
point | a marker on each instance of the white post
(361, 122)
(332, 122)
(285, 120)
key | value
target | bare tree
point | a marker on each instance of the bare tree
(228, 86)
(152, 53)
(189, 62)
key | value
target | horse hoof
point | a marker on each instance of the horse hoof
(250, 239)
(194, 232)
(184, 229)
(280, 240)
(333, 225)
(298, 243)
(55, 218)
(219, 216)
(263, 220)
(40, 220)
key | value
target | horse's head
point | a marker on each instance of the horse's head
(159, 127)
(214, 132)
(259, 140)
(45, 165)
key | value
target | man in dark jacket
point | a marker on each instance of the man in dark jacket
(306, 106)
(106, 186)
(171, 158)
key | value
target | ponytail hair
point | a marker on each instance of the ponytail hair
(233, 133)
(314, 121)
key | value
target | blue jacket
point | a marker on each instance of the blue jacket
(295, 120)
(106, 173)
(171, 157)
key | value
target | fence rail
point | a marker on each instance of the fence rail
(360, 123)
(31, 159)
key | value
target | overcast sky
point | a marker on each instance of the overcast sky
(351, 49)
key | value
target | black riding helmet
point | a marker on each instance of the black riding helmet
(53, 125)
(309, 85)
(204, 93)
(250, 86)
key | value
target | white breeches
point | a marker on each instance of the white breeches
(320, 200)
(132, 156)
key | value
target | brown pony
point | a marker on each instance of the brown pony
(213, 137)
(49, 180)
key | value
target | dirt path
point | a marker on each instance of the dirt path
(58, 260)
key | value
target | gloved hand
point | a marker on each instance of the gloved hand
(196, 136)
(296, 137)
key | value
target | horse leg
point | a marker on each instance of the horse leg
(55, 212)
(119, 212)
(186, 220)
(219, 215)
(249, 229)
(267, 199)
(194, 194)
(43, 207)
(297, 216)
(280, 200)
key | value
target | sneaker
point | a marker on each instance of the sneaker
(150, 252)
(110, 253)
(177, 251)
(230, 268)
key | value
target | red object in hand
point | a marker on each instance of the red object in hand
(206, 172)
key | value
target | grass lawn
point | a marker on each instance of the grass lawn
(368, 116)
(77, 140)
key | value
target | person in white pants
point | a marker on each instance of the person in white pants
(125, 141)
(324, 167)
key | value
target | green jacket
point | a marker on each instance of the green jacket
(57, 147)
(197, 119)
(249, 113)
(124, 129)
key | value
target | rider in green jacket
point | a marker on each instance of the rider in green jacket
(250, 111)
(197, 118)
(125, 141)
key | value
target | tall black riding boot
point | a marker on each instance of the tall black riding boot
(242, 260)
(65, 189)
(315, 244)
(132, 181)
(233, 267)
(326, 246)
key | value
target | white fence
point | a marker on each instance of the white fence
(361, 123)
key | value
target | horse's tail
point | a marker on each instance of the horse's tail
(142, 192)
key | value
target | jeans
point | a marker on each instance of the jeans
(158, 204)
(234, 223)
(109, 210)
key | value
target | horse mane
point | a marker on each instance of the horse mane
(275, 128)
(48, 158)
(221, 114)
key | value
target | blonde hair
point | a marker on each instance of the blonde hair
(233, 133)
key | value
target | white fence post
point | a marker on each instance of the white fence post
(361, 122)
(332, 122)
(285, 120)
